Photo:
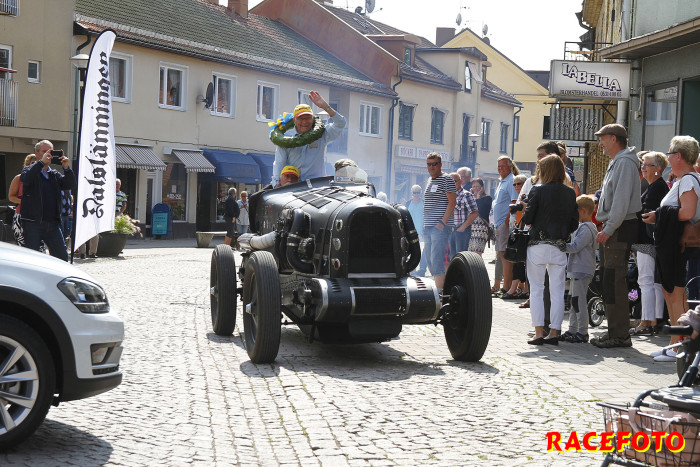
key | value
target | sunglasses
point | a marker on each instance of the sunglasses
(517, 184)
(432, 164)
(416, 192)
(648, 165)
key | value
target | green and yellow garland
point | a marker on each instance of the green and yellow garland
(285, 123)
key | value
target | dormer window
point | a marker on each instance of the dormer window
(408, 55)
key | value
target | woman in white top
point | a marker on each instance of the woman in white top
(685, 193)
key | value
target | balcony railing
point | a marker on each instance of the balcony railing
(8, 102)
(9, 7)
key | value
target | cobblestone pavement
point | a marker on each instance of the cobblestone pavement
(191, 397)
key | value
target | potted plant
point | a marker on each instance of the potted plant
(112, 243)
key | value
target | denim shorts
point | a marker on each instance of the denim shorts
(435, 248)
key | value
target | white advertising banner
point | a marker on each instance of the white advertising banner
(97, 166)
(589, 80)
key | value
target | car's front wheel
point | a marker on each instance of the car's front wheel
(27, 381)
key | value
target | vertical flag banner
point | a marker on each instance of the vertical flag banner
(97, 166)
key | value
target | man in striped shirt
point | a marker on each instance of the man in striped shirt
(440, 200)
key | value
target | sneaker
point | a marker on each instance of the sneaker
(665, 355)
(602, 337)
(656, 353)
(611, 342)
(664, 358)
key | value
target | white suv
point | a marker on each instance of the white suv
(59, 341)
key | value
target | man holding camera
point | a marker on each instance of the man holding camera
(41, 199)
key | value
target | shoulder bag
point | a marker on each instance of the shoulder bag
(516, 248)
(691, 233)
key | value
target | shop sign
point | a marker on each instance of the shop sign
(589, 80)
(406, 151)
(575, 123)
(411, 152)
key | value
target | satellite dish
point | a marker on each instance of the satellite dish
(485, 29)
(210, 96)
(369, 6)
(459, 18)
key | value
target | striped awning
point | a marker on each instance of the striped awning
(138, 157)
(194, 160)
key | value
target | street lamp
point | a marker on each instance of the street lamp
(472, 156)
(81, 62)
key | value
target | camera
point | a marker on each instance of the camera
(56, 156)
(515, 208)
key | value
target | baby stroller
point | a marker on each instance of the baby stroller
(594, 296)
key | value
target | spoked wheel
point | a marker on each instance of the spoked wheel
(27, 381)
(262, 315)
(596, 311)
(468, 327)
(222, 283)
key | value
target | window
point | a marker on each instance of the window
(340, 144)
(407, 53)
(173, 85)
(406, 121)
(5, 59)
(467, 78)
(504, 139)
(660, 115)
(224, 104)
(267, 101)
(437, 126)
(485, 133)
(370, 118)
(516, 128)
(120, 77)
(175, 190)
(33, 71)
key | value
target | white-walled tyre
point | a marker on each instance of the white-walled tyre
(27, 381)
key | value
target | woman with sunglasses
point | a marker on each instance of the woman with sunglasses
(653, 165)
(480, 227)
(679, 206)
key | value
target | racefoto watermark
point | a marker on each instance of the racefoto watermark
(608, 441)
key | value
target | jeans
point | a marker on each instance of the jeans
(50, 233)
(543, 258)
(459, 241)
(435, 246)
(66, 225)
(241, 229)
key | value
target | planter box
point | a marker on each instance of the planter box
(111, 244)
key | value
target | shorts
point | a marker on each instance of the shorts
(502, 233)
(230, 227)
(435, 248)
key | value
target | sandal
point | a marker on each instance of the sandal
(578, 338)
(509, 296)
(566, 335)
(522, 295)
(525, 304)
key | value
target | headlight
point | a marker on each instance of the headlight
(86, 296)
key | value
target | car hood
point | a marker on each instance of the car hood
(36, 264)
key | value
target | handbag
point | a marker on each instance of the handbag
(690, 238)
(516, 248)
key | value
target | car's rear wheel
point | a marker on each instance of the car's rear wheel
(222, 283)
(468, 327)
(262, 316)
(596, 311)
(27, 381)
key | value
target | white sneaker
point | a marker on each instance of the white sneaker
(656, 353)
(666, 356)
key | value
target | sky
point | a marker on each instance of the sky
(530, 33)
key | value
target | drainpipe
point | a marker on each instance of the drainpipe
(390, 138)
(76, 104)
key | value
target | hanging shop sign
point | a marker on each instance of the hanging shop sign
(575, 123)
(589, 80)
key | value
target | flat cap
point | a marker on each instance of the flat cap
(614, 129)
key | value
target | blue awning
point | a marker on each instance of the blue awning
(232, 166)
(265, 162)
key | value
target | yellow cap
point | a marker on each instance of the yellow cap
(290, 169)
(302, 109)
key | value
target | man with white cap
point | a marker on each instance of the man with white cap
(619, 203)
(309, 158)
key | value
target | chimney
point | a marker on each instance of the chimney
(240, 7)
(443, 36)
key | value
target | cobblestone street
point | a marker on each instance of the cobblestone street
(191, 397)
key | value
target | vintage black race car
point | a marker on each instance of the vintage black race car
(336, 261)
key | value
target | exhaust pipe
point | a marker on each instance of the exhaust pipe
(250, 241)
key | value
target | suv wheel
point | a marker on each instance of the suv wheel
(27, 381)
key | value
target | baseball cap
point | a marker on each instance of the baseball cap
(614, 129)
(302, 109)
(290, 169)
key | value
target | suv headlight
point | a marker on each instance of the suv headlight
(86, 296)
